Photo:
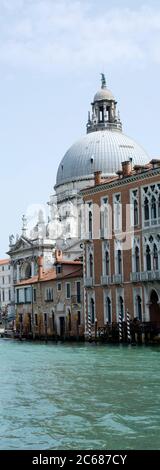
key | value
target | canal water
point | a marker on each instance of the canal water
(69, 396)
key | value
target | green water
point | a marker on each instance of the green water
(79, 396)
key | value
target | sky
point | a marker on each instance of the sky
(51, 55)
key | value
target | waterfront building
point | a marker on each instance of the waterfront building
(123, 234)
(24, 253)
(50, 303)
(103, 148)
(5, 287)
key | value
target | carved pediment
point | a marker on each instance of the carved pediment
(22, 244)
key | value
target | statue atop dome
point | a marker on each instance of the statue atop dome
(103, 80)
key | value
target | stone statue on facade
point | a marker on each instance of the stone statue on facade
(11, 240)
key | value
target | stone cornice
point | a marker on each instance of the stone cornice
(120, 182)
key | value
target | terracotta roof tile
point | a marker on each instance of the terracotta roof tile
(4, 261)
(49, 275)
(75, 263)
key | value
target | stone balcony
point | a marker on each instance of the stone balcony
(135, 277)
(106, 280)
(147, 276)
(117, 278)
(88, 282)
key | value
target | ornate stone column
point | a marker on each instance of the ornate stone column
(18, 272)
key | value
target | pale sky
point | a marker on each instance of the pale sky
(51, 55)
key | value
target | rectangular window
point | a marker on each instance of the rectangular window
(36, 319)
(3, 295)
(3, 281)
(59, 269)
(34, 295)
(59, 286)
(78, 292)
(20, 296)
(49, 294)
(68, 290)
(9, 295)
(28, 294)
(2, 268)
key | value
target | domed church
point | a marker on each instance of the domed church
(103, 148)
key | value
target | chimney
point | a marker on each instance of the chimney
(58, 255)
(40, 267)
(97, 177)
(155, 162)
(127, 168)
(119, 173)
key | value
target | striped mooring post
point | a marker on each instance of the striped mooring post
(120, 327)
(128, 327)
(89, 326)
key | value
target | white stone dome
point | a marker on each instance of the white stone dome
(99, 151)
(103, 95)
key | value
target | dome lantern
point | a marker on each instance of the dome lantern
(103, 110)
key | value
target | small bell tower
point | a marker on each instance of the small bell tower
(104, 114)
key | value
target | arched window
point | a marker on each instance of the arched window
(91, 265)
(119, 262)
(106, 216)
(153, 208)
(53, 320)
(107, 263)
(155, 257)
(154, 297)
(148, 258)
(146, 209)
(92, 311)
(121, 306)
(137, 260)
(108, 310)
(139, 308)
(28, 271)
(135, 212)
(101, 114)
